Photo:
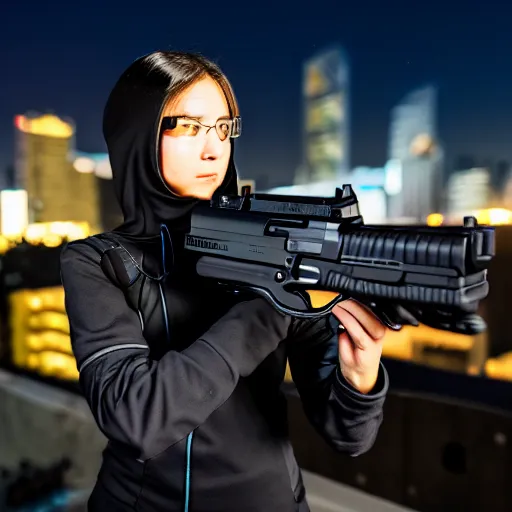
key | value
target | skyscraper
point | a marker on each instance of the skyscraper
(325, 117)
(44, 168)
(415, 156)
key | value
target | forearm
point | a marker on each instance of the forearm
(152, 404)
(346, 418)
(355, 416)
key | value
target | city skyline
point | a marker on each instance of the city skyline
(391, 52)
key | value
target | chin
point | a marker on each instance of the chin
(204, 193)
(203, 197)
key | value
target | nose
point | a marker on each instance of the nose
(213, 147)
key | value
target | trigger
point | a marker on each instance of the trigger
(382, 316)
(386, 320)
(389, 319)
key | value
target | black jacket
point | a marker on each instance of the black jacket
(194, 413)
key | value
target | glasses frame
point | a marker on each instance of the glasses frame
(170, 122)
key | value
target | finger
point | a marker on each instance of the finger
(370, 323)
(354, 329)
(346, 350)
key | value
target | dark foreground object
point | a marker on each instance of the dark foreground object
(437, 453)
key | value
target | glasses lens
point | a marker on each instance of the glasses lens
(224, 128)
(186, 127)
(181, 127)
(229, 128)
(236, 129)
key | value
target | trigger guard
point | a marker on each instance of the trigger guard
(307, 313)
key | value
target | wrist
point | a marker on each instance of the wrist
(363, 382)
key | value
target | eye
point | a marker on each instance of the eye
(191, 129)
(186, 128)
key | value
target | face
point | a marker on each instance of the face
(194, 159)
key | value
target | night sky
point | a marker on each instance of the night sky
(65, 57)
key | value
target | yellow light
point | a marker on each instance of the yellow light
(35, 233)
(14, 212)
(50, 234)
(77, 230)
(47, 124)
(34, 302)
(49, 340)
(53, 234)
(4, 245)
(103, 169)
(49, 299)
(55, 364)
(57, 228)
(40, 338)
(32, 361)
(69, 230)
(499, 216)
(435, 219)
(84, 165)
(494, 216)
(52, 240)
(49, 320)
(422, 145)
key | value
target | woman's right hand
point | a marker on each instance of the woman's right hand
(264, 328)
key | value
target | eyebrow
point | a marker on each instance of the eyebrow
(199, 118)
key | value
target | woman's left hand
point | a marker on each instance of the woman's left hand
(360, 345)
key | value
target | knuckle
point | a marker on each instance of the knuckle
(380, 332)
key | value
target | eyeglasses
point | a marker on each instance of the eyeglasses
(182, 126)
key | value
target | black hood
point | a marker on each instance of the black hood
(130, 127)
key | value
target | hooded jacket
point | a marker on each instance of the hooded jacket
(188, 393)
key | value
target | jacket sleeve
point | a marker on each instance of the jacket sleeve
(147, 404)
(348, 420)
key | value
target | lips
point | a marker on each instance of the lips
(207, 176)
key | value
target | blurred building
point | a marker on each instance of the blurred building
(500, 174)
(325, 117)
(414, 169)
(7, 177)
(98, 165)
(507, 193)
(496, 175)
(367, 183)
(469, 190)
(57, 190)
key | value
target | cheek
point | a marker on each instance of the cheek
(180, 162)
(226, 153)
(225, 157)
(175, 158)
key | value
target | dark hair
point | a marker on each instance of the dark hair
(184, 69)
(132, 126)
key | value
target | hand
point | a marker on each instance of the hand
(360, 345)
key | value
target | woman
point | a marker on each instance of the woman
(181, 377)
